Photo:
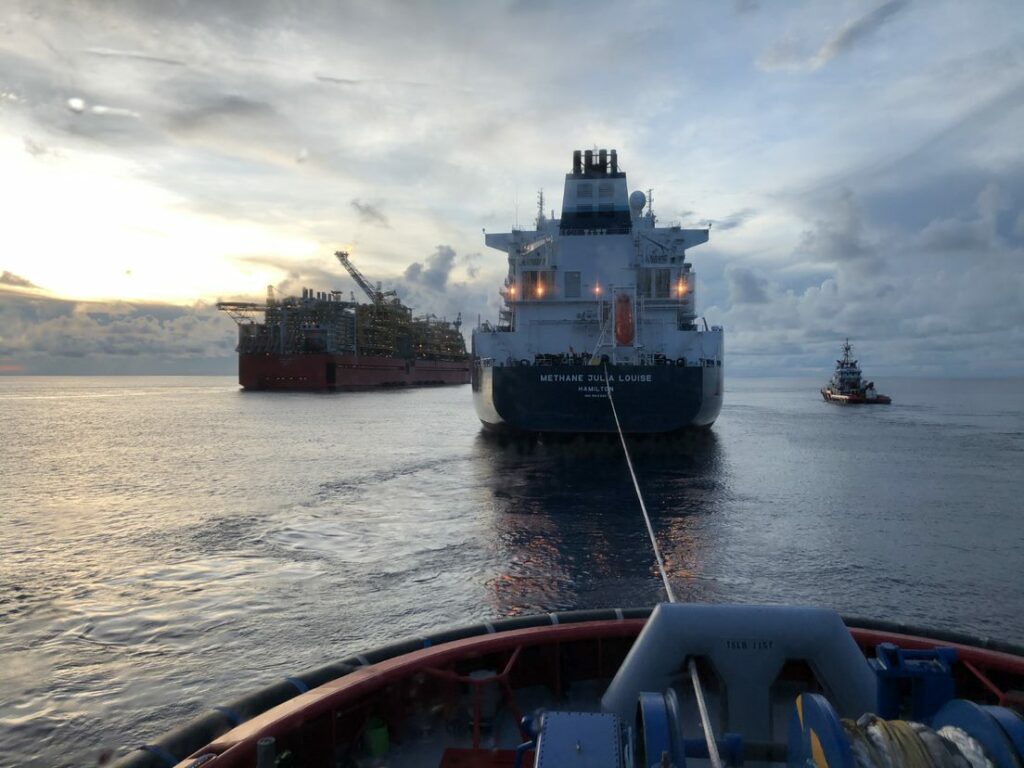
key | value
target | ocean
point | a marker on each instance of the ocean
(170, 543)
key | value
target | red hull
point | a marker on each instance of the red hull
(345, 372)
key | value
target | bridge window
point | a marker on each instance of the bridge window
(584, 190)
(654, 283)
(604, 190)
(572, 285)
(538, 284)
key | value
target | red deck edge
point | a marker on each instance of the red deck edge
(238, 746)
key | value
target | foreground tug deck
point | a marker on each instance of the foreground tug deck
(603, 286)
(846, 386)
(698, 685)
(322, 342)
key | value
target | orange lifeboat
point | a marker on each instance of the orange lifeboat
(624, 328)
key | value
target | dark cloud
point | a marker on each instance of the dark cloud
(745, 287)
(40, 331)
(436, 271)
(794, 53)
(134, 55)
(369, 213)
(840, 238)
(9, 278)
(224, 107)
(470, 262)
(858, 30)
(734, 220)
(929, 298)
(338, 80)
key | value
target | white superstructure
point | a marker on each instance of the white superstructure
(565, 277)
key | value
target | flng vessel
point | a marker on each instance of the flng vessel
(846, 386)
(600, 298)
(320, 341)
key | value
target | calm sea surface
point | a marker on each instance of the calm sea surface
(167, 544)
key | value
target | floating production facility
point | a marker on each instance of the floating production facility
(320, 341)
(599, 300)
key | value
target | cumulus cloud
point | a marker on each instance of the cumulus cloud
(840, 238)
(746, 287)
(976, 229)
(44, 329)
(921, 298)
(254, 113)
(434, 274)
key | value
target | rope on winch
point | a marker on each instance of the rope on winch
(878, 743)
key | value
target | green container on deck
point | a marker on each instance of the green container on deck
(376, 737)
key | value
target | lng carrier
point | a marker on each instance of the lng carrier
(320, 341)
(600, 299)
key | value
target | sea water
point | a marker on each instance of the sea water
(169, 544)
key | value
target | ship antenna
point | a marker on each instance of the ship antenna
(540, 208)
(650, 204)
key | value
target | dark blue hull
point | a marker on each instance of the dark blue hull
(572, 399)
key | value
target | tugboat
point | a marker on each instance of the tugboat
(846, 386)
(693, 685)
(599, 300)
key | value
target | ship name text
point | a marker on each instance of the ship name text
(595, 378)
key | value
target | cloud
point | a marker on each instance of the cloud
(471, 263)
(39, 331)
(792, 52)
(857, 31)
(370, 213)
(34, 148)
(134, 55)
(734, 220)
(745, 287)
(219, 108)
(941, 297)
(438, 267)
(263, 117)
(839, 239)
(9, 278)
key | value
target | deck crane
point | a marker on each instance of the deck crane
(377, 296)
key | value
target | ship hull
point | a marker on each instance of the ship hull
(854, 399)
(572, 398)
(326, 372)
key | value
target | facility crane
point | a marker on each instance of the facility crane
(377, 296)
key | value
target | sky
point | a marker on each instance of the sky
(860, 165)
